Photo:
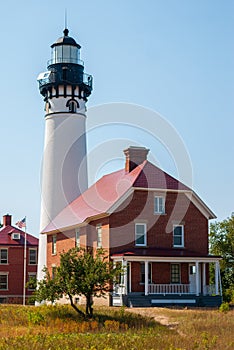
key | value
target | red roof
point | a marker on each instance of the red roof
(100, 197)
(6, 239)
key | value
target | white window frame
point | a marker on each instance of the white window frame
(159, 208)
(77, 238)
(3, 263)
(4, 274)
(137, 236)
(54, 244)
(99, 235)
(182, 236)
(31, 275)
(29, 260)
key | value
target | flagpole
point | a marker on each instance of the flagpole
(25, 260)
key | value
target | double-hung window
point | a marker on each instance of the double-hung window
(78, 238)
(140, 234)
(159, 205)
(32, 256)
(99, 235)
(178, 236)
(32, 280)
(3, 281)
(54, 245)
(3, 256)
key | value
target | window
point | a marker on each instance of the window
(142, 280)
(178, 235)
(72, 106)
(140, 234)
(159, 205)
(32, 256)
(99, 235)
(3, 256)
(77, 238)
(54, 268)
(175, 273)
(3, 282)
(54, 248)
(32, 280)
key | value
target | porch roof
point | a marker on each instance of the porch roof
(162, 254)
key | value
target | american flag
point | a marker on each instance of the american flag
(21, 223)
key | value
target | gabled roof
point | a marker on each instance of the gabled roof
(109, 192)
(5, 237)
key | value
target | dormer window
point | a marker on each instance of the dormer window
(15, 235)
(72, 105)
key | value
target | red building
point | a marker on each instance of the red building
(153, 225)
(12, 248)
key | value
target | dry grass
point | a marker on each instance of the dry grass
(57, 328)
(198, 328)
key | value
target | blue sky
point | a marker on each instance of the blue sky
(173, 57)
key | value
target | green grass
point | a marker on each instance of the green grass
(59, 327)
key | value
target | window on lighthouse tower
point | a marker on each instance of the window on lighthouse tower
(72, 106)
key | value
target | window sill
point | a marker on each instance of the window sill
(160, 214)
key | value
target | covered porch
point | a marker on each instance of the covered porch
(152, 281)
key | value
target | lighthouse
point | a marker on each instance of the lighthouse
(65, 89)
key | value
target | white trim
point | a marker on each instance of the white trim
(120, 200)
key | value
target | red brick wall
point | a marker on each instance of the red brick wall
(15, 269)
(159, 235)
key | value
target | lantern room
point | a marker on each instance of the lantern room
(65, 50)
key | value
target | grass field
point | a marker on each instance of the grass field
(59, 327)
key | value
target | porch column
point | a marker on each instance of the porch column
(125, 277)
(204, 278)
(197, 278)
(146, 277)
(217, 278)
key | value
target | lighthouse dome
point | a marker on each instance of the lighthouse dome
(66, 40)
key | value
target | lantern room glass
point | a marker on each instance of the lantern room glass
(65, 54)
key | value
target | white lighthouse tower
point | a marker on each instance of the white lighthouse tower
(65, 88)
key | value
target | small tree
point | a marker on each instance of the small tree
(80, 273)
(222, 243)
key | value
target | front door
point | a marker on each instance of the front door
(192, 278)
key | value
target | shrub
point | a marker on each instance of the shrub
(224, 307)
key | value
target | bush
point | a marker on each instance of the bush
(224, 307)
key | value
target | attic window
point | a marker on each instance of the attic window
(159, 205)
(15, 235)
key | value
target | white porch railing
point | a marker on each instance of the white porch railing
(169, 289)
(119, 289)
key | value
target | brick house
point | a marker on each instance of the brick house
(12, 262)
(153, 225)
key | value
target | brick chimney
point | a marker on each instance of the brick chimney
(6, 220)
(134, 157)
